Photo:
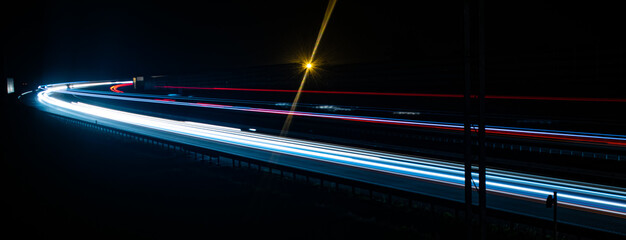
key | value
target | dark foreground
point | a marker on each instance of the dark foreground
(60, 181)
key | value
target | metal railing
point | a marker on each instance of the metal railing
(385, 195)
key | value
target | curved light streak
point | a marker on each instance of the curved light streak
(114, 88)
(437, 95)
(566, 136)
(577, 195)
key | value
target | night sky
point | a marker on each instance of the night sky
(66, 40)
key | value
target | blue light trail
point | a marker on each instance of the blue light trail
(572, 194)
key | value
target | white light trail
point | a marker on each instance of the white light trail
(610, 200)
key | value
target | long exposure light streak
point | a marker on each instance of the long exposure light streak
(576, 195)
(114, 88)
(564, 136)
(435, 95)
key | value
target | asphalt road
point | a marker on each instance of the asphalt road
(584, 204)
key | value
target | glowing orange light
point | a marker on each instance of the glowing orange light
(309, 65)
(114, 87)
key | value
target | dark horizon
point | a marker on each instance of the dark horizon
(179, 119)
(68, 41)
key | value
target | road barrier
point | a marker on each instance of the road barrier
(357, 189)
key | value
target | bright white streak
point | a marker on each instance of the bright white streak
(331, 153)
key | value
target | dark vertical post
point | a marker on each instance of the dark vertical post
(556, 234)
(467, 116)
(482, 189)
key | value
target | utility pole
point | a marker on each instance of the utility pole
(467, 59)
(551, 202)
(474, 124)
(482, 185)
(467, 122)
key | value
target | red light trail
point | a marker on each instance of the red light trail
(577, 99)
(114, 88)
